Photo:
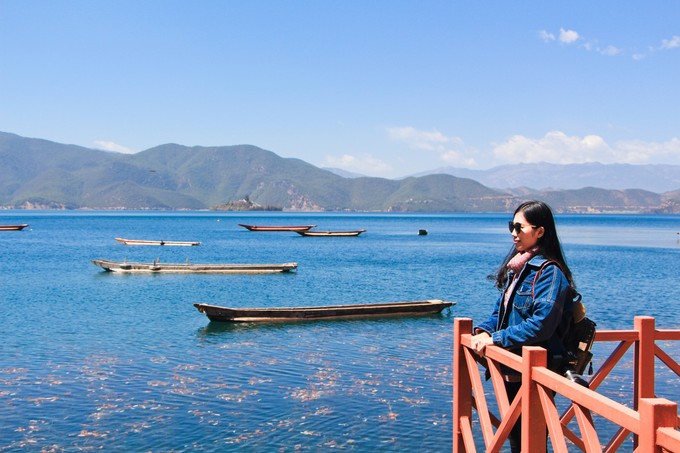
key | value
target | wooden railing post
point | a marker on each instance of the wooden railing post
(644, 359)
(462, 387)
(533, 421)
(643, 385)
(655, 413)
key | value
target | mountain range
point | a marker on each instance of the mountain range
(545, 176)
(40, 174)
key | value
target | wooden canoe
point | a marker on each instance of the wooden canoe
(277, 227)
(224, 314)
(13, 227)
(168, 243)
(189, 268)
(330, 233)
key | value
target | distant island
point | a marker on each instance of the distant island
(244, 205)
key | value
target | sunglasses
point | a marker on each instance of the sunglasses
(517, 227)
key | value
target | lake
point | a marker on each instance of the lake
(92, 360)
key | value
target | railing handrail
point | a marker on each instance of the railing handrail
(652, 421)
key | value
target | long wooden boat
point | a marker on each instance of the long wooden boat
(422, 307)
(330, 233)
(13, 227)
(277, 227)
(159, 267)
(145, 242)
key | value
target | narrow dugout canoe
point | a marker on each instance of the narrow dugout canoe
(13, 227)
(276, 227)
(168, 243)
(331, 233)
(225, 314)
(158, 267)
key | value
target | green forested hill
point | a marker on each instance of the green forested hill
(37, 173)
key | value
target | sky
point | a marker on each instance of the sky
(383, 88)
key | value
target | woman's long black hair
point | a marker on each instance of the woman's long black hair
(539, 214)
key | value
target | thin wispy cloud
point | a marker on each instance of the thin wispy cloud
(546, 36)
(609, 51)
(666, 45)
(570, 37)
(450, 150)
(111, 146)
(366, 164)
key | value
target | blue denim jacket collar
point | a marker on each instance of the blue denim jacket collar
(534, 263)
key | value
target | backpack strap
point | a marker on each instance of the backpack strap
(540, 271)
(575, 294)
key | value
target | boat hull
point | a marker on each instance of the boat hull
(157, 267)
(225, 314)
(331, 233)
(13, 227)
(163, 243)
(277, 227)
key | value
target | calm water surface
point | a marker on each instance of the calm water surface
(91, 360)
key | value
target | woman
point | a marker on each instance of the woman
(530, 311)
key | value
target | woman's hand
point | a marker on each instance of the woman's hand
(480, 341)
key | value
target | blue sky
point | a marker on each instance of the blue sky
(382, 88)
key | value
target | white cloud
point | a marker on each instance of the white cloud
(362, 164)
(111, 146)
(638, 151)
(546, 36)
(428, 149)
(672, 43)
(449, 150)
(610, 51)
(571, 36)
(559, 148)
(568, 36)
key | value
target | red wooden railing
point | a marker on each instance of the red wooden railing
(651, 423)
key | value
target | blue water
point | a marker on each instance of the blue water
(91, 360)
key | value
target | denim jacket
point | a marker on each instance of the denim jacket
(536, 320)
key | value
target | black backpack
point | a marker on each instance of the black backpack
(579, 335)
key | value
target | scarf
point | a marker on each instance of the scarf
(518, 261)
(516, 264)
